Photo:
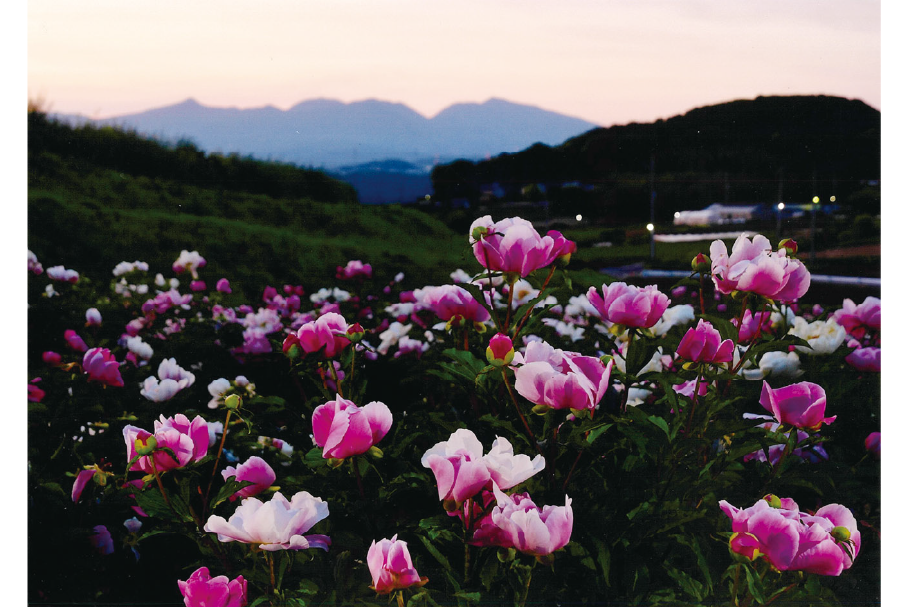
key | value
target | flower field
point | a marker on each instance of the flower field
(505, 438)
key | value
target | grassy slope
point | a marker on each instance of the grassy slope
(89, 218)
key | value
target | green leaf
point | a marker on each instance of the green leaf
(640, 351)
(755, 587)
(660, 423)
(597, 432)
(691, 586)
(435, 552)
(231, 486)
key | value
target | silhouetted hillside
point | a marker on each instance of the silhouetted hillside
(762, 150)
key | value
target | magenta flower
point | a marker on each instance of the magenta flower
(458, 466)
(223, 286)
(256, 470)
(328, 331)
(189, 440)
(562, 380)
(51, 358)
(858, 319)
(35, 394)
(629, 305)
(101, 366)
(770, 532)
(452, 303)
(801, 405)
(500, 351)
(829, 541)
(391, 567)
(511, 245)
(873, 444)
(202, 590)
(81, 481)
(754, 267)
(516, 522)
(277, 524)
(865, 359)
(753, 325)
(354, 269)
(702, 344)
(74, 341)
(342, 429)
(562, 248)
(101, 540)
(197, 285)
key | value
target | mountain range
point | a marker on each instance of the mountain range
(329, 134)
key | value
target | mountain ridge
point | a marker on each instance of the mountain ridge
(329, 133)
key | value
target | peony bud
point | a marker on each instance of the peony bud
(291, 347)
(479, 232)
(355, 333)
(701, 264)
(790, 245)
(233, 401)
(841, 534)
(500, 351)
(773, 500)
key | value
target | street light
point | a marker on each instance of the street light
(779, 220)
(652, 245)
(814, 203)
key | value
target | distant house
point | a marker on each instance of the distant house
(718, 215)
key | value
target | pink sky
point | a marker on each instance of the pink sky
(610, 62)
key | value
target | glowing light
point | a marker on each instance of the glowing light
(833, 199)
(781, 206)
(578, 217)
(650, 227)
(815, 200)
(677, 215)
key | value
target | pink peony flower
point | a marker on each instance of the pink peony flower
(223, 286)
(62, 274)
(256, 470)
(101, 540)
(753, 267)
(753, 325)
(92, 317)
(81, 481)
(702, 344)
(829, 541)
(101, 366)
(873, 444)
(801, 405)
(277, 524)
(865, 359)
(458, 466)
(189, 440)
(629, 305)
(561, 380)
(516, 522)
(202, 590)
(771, 533)
(511, 245)
(197, 285)
(452, 303)
(354, 269)
(328, 331)
(74, 341)
(34, 266)
(858, 319)
(342, 429)
(508, 470)
(35, 394)
(51, 358)
(562, 248)
(189, 261)
(391, 567)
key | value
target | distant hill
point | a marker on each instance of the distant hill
(328, 133)
(758, 151)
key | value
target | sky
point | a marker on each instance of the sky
(608, 61)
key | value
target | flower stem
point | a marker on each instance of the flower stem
(517, 329)
(510, 300)
(400, 597)
(533, 439)
(151, 460)
(214, 469)
(356, 471)
(334, 376)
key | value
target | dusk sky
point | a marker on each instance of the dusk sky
(609, 62)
